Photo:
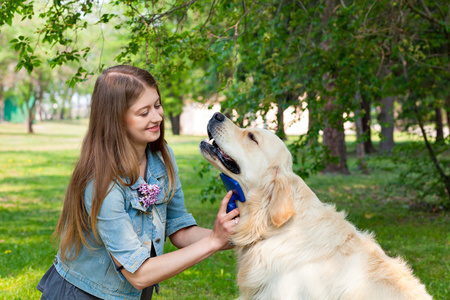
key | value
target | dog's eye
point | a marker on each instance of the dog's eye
(252, 137)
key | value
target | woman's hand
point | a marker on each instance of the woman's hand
(224, 224)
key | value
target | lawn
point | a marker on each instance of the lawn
(35, 170)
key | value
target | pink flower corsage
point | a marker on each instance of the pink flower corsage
(149, 194)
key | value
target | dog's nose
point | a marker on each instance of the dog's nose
(219, 117)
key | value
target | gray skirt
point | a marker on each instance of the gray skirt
(54, 287)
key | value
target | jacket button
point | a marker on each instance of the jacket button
(157, 240)
(55, 261)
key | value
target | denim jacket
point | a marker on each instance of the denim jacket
(127, 231)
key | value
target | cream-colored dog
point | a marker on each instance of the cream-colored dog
(289, 244)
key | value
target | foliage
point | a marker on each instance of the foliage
(418, 174)
(312, 54)
(214, 186)
(8, 8)
(309, 157)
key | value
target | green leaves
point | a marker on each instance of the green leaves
(418, 173)
(105, 18)
(27, 59)
(8, 8)
(80, 76)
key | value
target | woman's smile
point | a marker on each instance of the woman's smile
(154, 128)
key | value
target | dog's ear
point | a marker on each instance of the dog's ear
(281, 207)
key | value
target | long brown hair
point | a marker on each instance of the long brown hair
(107, 155)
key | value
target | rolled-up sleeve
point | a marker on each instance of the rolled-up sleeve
(115, 229)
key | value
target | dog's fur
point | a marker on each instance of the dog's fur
(289, 244)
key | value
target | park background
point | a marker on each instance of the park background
(368, 81)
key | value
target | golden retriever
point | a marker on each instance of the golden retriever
(289, 244)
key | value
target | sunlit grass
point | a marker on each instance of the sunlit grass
(35, 170)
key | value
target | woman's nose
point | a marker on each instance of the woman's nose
(156, 115)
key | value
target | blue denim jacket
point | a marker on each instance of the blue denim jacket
(127, 231)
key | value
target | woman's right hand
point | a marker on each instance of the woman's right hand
(224, 224)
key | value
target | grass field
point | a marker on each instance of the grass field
(35, 170)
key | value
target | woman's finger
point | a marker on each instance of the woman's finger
(224, 203)
(233, 214)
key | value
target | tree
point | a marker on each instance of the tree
(366, 122)
(425, 62)
(386, 119)
(260, 54)
(360, 142)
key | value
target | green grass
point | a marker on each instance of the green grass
(35, 170)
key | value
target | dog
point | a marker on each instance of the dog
(289, 244)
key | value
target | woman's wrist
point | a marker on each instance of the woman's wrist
(215, 243)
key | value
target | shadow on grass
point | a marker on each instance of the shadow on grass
(37, 135)
(25, 236)
(48, 156)
(35, 188)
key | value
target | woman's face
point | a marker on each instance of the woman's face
(144, 117)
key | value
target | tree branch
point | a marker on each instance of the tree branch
(303, 7)
(425, 7)
(426, 16)
(159, 16)
(235, 26)
(185, 15)
(209, 15)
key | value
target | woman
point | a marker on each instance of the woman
(124, 199)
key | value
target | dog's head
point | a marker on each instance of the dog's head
(258, 160)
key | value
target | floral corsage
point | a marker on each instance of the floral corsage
(149, 194)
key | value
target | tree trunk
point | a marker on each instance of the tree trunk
(175, 121)
(334, 139)
(29, 106)
(360, 138)
(333, 128)
(30, 124)
(386, 119)
(439, 125)
(63, 109)
(447, 110)
(365, 122)
(31, 114)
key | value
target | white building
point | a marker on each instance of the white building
(195, 117)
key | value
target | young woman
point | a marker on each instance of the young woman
(124, 199)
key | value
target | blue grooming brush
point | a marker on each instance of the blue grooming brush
(232, 185)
